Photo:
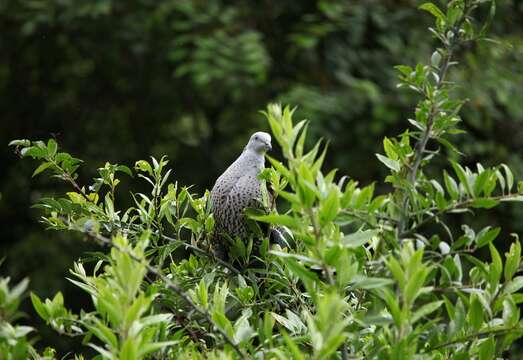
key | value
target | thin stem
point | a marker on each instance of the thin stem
(72, 181)
(420, 149)
(421, 145)
(481, 334)
(202, 252)
(458, 205)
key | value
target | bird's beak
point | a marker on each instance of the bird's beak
(269, 147)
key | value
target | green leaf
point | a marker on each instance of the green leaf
(426, 310)
(475, 313)
(306, 276)
(292, 322)
(366, 283)
(514, 285)
(392, 305)
(510, 312)
(496, 267)
(41, 168)
(155, 346)
(142, 165)
(106, 354)
(34, 152)
(435, 59)
(450, 184)
(330, 207)
(52, 147)
(22, 142)
(358, 239)
(202, 294)
(486, 236)
(460, 172)
(129, 351)
(481, 181)
(509, 177)
(277, 219)
(333, 342)
(434, 10)
(104, 333)
(279, 167)
(404, 69)
(513, 258)
(397, 272)
(487, 349)
(391, 164)
(389, 148)
(39, 307)
(124, 169)
(18, 289)
(413, 286)
(484, 203)
(291, 345)
(242, 329)
(299, 257)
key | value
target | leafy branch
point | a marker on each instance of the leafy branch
(450, 40)
(169, 284)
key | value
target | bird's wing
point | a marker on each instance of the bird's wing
(245, 192)
(225, 183)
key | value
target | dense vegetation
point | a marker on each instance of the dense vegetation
(384, 273)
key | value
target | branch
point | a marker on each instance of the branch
(202, 252)
(172, 285)
(458, 205)
(480, 334)
(422, 142)
(67, 177)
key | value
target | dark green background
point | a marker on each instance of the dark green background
(119, 81)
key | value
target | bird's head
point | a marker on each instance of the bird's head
(260, 142)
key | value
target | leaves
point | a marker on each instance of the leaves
(41, 168)
(425, 310)
(486, 236)
(513, 259)
(391, 164)
(277, 219)
(484, 203)
(434, 10)
(372, 271)
(358, 239)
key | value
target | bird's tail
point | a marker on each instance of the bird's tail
(282, 236)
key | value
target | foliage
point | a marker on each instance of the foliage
(14, 341)
(369, 276)
(101, 78)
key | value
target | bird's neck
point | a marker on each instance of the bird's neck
(256, 157)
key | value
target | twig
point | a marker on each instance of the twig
(495, 332)
(202, 252)
(195, 249)
(422, 142)
(455, 206)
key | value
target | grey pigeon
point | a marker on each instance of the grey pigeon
(239, 188)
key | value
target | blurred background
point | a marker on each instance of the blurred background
(119, 81)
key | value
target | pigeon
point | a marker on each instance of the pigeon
(239, 188)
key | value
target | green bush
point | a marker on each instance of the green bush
(369, 276)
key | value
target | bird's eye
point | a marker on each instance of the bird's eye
(256, 138)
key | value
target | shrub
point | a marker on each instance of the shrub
(370, 276)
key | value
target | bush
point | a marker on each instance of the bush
(370, 276)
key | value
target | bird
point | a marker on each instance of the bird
(239, 188)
